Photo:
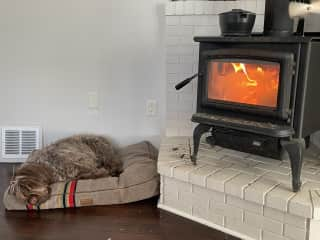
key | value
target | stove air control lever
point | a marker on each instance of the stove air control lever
(185, 82)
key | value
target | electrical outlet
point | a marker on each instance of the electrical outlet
(151, 108)
(93, 100)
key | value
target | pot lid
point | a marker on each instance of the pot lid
(241, 11)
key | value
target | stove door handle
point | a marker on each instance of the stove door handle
(185, 82)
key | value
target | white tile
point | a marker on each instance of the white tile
(186, 50)
(206, 31)
(251, 5)
(264, 160)
(278, 198)
(295, 221)
(173, 68)
(179, 8)
(186, 40)
(274, 168)
(199, 7)
(172, 51)
(314, 233)
(256, 191)
(172, 20)
(173, 30)
(183, 131)
(219, 7)
(217, 180)
(281, 178)
(200, 175)
(192, 199)
(200, 212)
(259, 20)
(273, 214)
(260, 6)
(243, 228)
(166, 169)
(177, 186)
(207, 8)
(199, 20)
(189, 7)
(234, 153)
(246, 205)
(272, 236)
(217, 197)
(172, 59)
(294, 233)
(229, 5)
(310, 177)
(171, 8)
(173, 41)
(187, 59)
(315, 199)
(172, 97)
(173, 77)
(215, 218)
(223, 209)
(260, 221)
(213, 21)
(301, 205)
(170, 132)
(237, 185)
(182, 172)
(186, 30)
(176, 204)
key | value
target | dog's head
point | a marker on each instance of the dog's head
(31, 183)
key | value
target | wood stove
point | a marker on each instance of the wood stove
(259, 94)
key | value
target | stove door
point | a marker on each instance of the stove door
(252, 81)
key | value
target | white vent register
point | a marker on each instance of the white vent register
(18, 142)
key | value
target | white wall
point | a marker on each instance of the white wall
(53, 52)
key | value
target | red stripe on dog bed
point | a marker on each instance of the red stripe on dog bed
(71, 194)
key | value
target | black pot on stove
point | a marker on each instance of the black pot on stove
(237, 22)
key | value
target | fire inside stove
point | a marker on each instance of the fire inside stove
(255, 83)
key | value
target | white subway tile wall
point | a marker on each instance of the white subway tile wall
(186, 19)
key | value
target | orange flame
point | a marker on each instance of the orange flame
(242, 67)
(250, 83)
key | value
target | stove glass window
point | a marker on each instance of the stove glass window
(246, 82)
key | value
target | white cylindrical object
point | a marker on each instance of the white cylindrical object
(297, 9)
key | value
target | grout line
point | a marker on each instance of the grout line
(312, 203)
(228, 180)
(268, 191)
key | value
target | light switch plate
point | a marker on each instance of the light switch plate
(93, 100)
(151, 108)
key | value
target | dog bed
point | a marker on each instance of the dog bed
(138, 181)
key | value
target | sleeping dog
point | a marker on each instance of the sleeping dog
(77, 157)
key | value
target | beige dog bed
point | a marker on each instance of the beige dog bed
(138, 181)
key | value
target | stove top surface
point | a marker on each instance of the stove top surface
(260, 38)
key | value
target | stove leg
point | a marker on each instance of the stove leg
(197, 133)
(295, 149)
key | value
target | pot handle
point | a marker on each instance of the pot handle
(185, 82)
(244, 15)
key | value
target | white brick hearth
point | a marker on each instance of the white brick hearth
(244, 195)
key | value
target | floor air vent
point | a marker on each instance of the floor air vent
(18, 143)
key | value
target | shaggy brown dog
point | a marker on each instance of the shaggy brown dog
(77, 157)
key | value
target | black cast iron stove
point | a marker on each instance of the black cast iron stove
(259, 94)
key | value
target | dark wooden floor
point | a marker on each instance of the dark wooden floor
(137, 221)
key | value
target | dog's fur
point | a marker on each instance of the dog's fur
(77, 157)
